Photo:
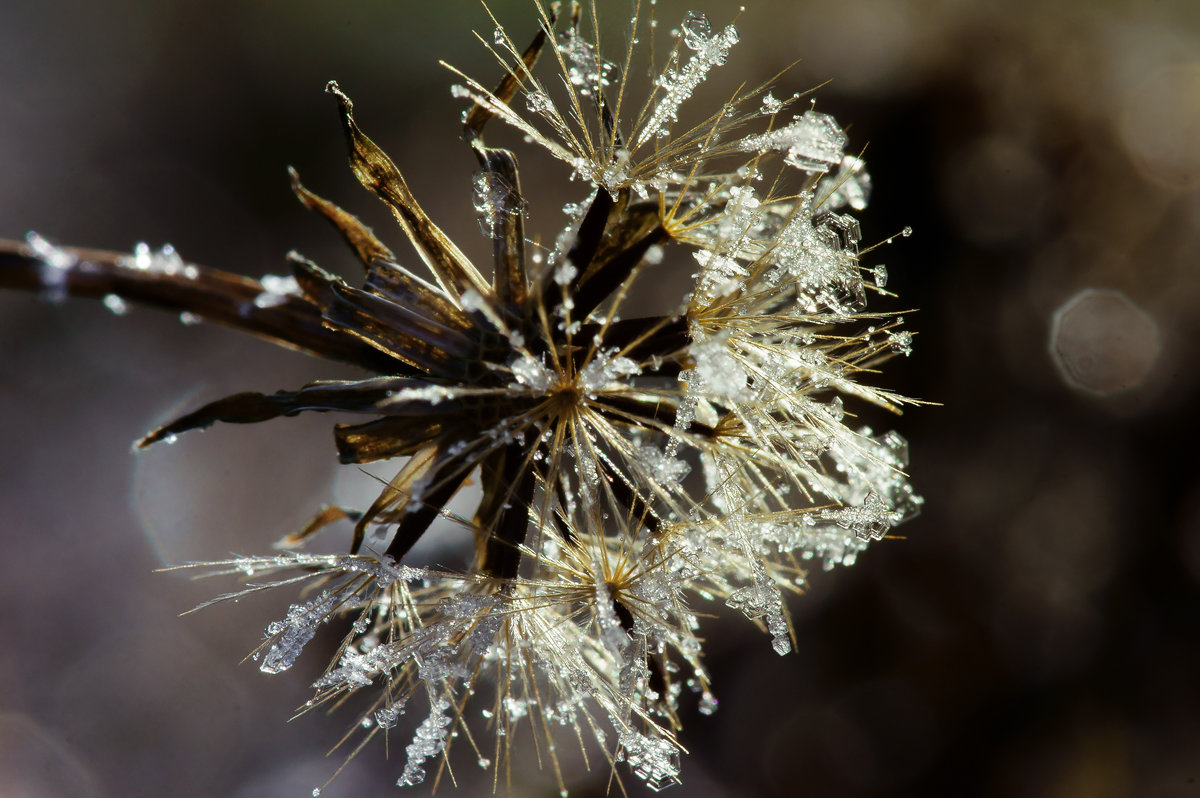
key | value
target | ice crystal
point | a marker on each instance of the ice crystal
(428, 742)
(629, 468)
(813, 142)
(676, 85)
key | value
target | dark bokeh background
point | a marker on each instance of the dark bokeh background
(1036, 633)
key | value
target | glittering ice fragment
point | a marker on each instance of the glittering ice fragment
(869, 521)
(495, 198)
(763, 599)
(583, 68)
(660, 466)
(850, 186)
(115, 304)
(293, 633)
(696, 30)
(813, 142)
(604, 368)
(427, 742)
(276, 290)
(386, 717)
(676, 86)
(900, 341)
(653, 759)
(719, 371)
(165, 260)
(880, 275)
(529, 373)
(56, 264)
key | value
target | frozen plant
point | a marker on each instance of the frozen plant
(633, 468)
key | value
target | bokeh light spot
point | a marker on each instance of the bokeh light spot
(1102, 342)
(1160, 126)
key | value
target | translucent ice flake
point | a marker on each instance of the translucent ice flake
(604, 369)
(813, 142)
(529, 373)
(676, 86)
(276, 290)
(429, 740)
(653, 759)
(696, 30)
(56, 265)
(660, 466)
(763, 599)
(720, 276)
(869, 521)
(565, 272)
(292, 634)
(495, 198)
(386, 717)
(616, 173)
(880, 275)
(851, 186)
(719, 371)
(165, 260)
(357, 667)
(115, 304)
(583, 68)
(900, 341)
(616, 638)
(539, 103)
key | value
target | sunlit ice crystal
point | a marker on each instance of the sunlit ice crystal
(676, 86)
(849, 186)
(813, 142)
(429, 740)
(653, 759)
(56, 264)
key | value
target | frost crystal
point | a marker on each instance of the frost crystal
(276, 290)
(531, 374)
(696, 30)
(813, 143)
(116, 304)
(428, 741)
(851, 186)
(164, 260)
(604, 369)
(56, 265)
(869, 521)
(293, 633)
(652, 759)
(676, 86)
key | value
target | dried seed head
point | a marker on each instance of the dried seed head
(629, 466)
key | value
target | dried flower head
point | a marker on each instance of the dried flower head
(630, 467)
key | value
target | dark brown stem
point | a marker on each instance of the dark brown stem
(210, 294)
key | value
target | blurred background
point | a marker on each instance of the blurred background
(1036, 633)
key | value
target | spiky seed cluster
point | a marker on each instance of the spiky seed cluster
(629, 466)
